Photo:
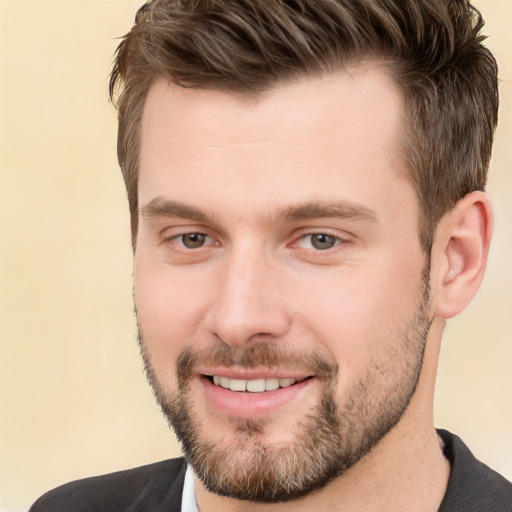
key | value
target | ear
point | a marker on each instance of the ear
(460, 253)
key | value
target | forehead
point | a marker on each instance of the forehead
(363, 93)
(297, 139)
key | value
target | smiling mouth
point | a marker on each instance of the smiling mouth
(253, 386)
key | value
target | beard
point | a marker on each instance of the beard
(330, 439)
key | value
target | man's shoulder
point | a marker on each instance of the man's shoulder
(151, 488)
(473, 486)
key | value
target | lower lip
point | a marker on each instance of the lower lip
(247, 405)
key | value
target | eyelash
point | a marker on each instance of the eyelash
(179, 239)
(336, 241)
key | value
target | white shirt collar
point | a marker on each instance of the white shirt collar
(188, 497)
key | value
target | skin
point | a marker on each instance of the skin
(239, 165)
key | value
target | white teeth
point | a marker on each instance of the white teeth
(271, 384)
(237, 385)
(284, 383)
(253, 386)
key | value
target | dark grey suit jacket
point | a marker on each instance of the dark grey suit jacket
(153, 488)
(473, 487)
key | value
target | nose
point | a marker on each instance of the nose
(247, 304)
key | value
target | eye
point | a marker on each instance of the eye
(193, 240)
(319, 241)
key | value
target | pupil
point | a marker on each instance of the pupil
(193, 240)
(322, 241)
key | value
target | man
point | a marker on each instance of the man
(305, 181)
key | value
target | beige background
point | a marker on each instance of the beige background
(73, 398)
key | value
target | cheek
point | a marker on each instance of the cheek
(168, 310)
(359, 313)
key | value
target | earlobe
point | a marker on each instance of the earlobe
(462, 245)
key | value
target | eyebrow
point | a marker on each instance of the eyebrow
(330, 209)
(161, 207)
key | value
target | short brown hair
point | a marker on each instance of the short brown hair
(433, 48)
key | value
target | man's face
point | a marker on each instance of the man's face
(281, 291)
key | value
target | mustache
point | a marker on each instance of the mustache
(257, 356)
